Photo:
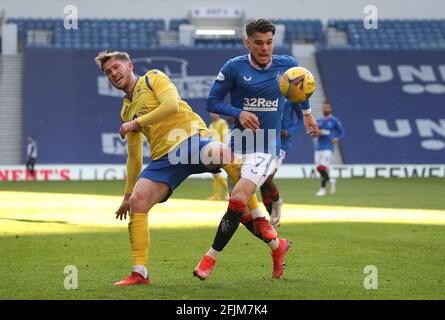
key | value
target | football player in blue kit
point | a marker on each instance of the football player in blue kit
(331, 131)
(291, 123)
(257, 105)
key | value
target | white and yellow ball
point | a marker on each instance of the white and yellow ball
(297, 84)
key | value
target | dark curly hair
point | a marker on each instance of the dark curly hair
(259, 25)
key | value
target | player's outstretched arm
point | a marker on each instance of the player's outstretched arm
(134, 167)
(310, 124)
(168, 105)
(221, 87)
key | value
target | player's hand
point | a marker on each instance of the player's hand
(121, 213)
(335, 141)
(311, 125)
(129, 127)
(248, 120)
(284, 133)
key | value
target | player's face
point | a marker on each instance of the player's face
(327, 109)
(260, 46)
(119, 73)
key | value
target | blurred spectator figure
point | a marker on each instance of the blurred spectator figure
(31, 156)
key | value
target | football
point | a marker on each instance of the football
(297, 84)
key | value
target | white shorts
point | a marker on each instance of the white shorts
(323, 157)
(257, 167)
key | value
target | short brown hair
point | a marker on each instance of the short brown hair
(106, 55)
(259, 25)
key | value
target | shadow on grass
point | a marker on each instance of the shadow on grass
(36, 221)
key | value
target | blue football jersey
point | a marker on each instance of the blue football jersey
(330, 128)
(256, 90)
(293, 121)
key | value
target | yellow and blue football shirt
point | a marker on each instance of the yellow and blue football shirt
(164, 135)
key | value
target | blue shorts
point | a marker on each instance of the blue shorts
(188, 151)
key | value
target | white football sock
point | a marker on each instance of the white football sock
(212, 253)
(274, 244)
(142, 270)
(257, 213)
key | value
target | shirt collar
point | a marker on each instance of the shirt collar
(256, 66)
(132, 94)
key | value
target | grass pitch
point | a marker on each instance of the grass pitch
(396, 225)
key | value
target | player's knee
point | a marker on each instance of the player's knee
(239, 197)
(136, 203)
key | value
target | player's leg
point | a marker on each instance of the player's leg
(145, 195)
(273, 201)
(216, 188)
(265, 191)
(28, 167)
(258, 171)
(253, 219)
(332, 181)
(253, 174)
(271, 196)
(227, 226)
(322, 171)
(31, 167)
(324, 158)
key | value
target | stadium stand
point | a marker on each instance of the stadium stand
(127, 33)
(337, 52)
(393, 34)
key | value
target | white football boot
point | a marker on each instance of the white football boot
(321, 192)
(275, 216)
(333, 182)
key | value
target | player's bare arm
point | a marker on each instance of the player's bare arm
(310, 124)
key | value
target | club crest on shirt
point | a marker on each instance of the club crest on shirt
(220, 77)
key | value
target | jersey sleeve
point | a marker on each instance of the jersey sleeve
(160, 83)
(167, 95)
(221, 87)
(339, 128)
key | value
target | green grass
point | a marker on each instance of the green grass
(420, 193)
(326, 261)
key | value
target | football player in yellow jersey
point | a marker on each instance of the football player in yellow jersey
(219, 131)
(179, 145)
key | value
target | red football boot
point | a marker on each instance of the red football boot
(205, 266)
(278, 258)
(263, 227)
(133, 278)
